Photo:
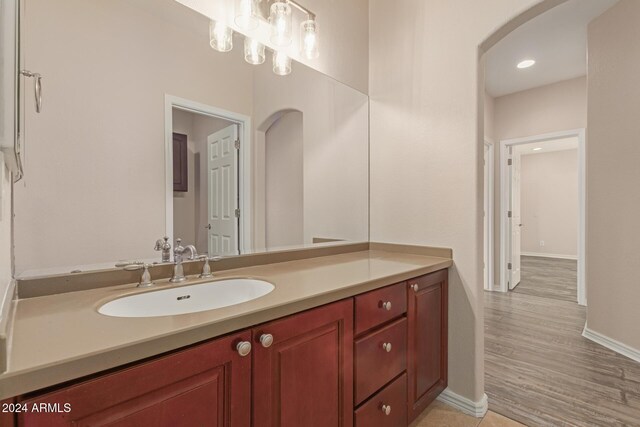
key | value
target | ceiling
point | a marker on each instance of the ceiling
(556, 40)
(560, 144)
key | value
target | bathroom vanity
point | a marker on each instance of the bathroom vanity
(370, 350)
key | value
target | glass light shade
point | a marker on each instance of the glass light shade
(281, 23)
(253, 51)
(220, 37)
(246, 14)
(281, 63)
(309, 39)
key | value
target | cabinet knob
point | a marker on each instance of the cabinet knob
(244, 348)
(414, 287)
(387, 305)
(266, 340)
(386, 346)
(386, 409)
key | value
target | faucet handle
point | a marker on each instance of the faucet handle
(206, 268)
(145, 279)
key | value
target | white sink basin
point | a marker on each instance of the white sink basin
(187, 299)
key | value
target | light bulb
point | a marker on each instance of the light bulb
(246, 14)
(309, 39)
(281, 63)
(253, 51)
(220, 37)
(281, 23)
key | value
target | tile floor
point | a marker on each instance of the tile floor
(442, 415)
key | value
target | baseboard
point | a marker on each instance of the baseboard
(469, 407)
(611, 344)
(556, 256)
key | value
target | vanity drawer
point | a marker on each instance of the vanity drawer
(391, 399)
(379, 306)
(379, 357)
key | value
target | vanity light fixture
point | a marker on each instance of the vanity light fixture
(247, 14)
(526, 63)
(309, 38)
(281, 20)
(281, 63)
(253, 51)
(537, 149)
(220, 36)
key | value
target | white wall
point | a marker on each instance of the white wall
(284, 181)
(555, 107)
(613, 195)
(549, 203)
(426, 149)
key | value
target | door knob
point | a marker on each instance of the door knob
(386, 305)
(386, 409)
(208, 226)
(386, 346)
(266, 340)
(243, 348)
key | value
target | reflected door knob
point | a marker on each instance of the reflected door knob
(243, 348)
(266, 340)
(386, 305)
(386, 409)
(208, 226)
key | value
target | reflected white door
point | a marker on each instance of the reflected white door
(515, 220)
(222, 162)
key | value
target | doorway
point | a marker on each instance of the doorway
(511, 218)
(214, 209)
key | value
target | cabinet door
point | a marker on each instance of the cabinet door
(427, 349)
(305, 376)
(206, 385)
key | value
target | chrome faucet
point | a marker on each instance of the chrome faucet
(178, 256)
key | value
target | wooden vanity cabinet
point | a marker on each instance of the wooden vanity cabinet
(299, 371)
(427, 313)
(303, 369)
(209, 384)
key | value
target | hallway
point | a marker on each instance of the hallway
(539, 370)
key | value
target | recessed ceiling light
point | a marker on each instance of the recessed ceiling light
(526, 63)
(537, 149)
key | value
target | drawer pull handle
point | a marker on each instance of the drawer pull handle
(386, 409)
(387, 305)
(266, 340)
(414, 287)
(386, 346)
(244, 348)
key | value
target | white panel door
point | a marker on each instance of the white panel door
(515, 220)
(223, 191)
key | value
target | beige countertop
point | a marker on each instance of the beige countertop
(60, 337)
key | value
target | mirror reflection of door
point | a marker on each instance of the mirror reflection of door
(284, 181)
(222, 212)
(204, 214)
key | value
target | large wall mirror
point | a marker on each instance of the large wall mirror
(146, 131)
